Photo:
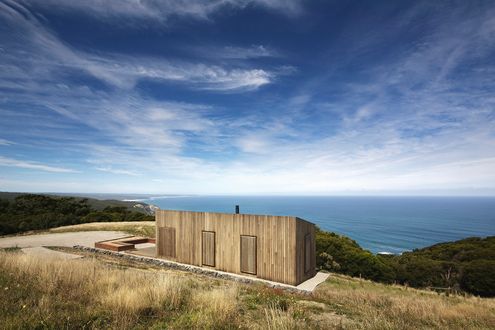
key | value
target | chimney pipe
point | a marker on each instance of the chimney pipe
(237, 209)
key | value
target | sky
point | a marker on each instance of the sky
(248, 97)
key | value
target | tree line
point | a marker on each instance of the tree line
(467, 265)
(40, 212)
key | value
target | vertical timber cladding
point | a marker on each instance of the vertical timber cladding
(208, 248)
(279, 248)
(166, 236)
(248, 254)
(306, 253)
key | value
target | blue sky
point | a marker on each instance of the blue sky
(248, 97)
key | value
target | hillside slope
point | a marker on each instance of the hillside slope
(97, 204)
(26, 212)
(112, 293)
(466, 265)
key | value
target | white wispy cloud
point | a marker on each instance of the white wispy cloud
(117, 171)
(254, 51)
(436, 133)
(4, 142)
(162, 11)
(235, 52)
(124, 72)
(10, 162)
(156, 124)
(43, 53)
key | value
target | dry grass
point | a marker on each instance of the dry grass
(138, 228)
(54, 292)
(218, 306)
(378, 306)
(276, 318)
(91, 293)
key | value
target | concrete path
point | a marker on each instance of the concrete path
(45, 253)
(83, 238)
(145, 252)
(312, 283)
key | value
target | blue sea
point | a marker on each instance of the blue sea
(379, 224)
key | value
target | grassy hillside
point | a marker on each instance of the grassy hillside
(96, 204)
(110, 293)
(463, 266)
(26, 212)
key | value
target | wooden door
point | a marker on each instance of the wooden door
(208, 248)
(166, 242)
(307, 253)
(248, 254)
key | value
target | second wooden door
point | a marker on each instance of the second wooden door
(208, 247)
(248, 254)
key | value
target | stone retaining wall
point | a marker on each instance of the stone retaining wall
(188, 268)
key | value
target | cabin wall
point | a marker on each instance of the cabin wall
(306, 251)
(275, 241)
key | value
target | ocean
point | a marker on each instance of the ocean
(379, 224)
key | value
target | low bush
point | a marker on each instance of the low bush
(462, 265)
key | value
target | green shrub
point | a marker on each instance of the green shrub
(34, 212)
(478, 277)
(467, 264)
(350, 258)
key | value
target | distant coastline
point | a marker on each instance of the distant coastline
(471, 259)
(384, 225)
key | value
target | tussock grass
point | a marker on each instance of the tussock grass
(137, 228)
(213, 308)
(379, 306)
(93, 294)
(65, 294)
(276, 318)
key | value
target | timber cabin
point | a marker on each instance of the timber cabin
(275, 248)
